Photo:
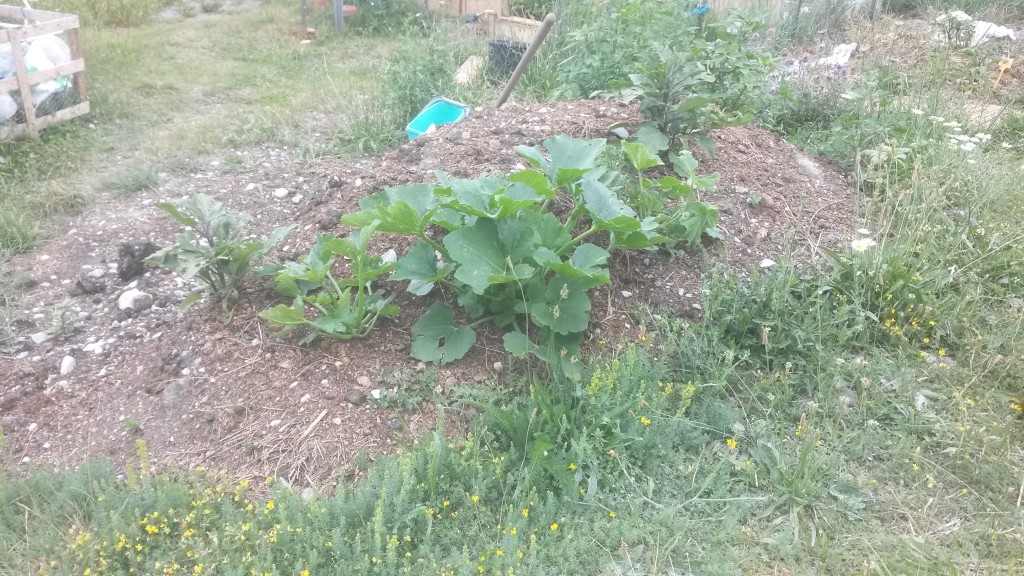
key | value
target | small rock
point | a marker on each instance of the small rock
(281, 193)
(767, 263)
(40, 337)
(95, 347)
(355, 398)
(627, 294)
(305, 398)
(389, 257)
(376, 393)
(97, 273)
(33, 427)
(26, 460)
(498, 366)
(250, 186)
(67, 365)
(363, 381)
(696, 306)
(275, 423)
(135, 300)
(297, 198)
(337, 421)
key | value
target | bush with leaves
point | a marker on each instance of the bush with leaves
(496, 242)
(708, 84)
(342, 308)
(213, 249)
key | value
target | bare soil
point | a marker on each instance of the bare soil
(235, 397)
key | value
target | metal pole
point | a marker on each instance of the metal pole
(339, 21)
(524, 63)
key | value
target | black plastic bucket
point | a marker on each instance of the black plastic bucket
(503, 56)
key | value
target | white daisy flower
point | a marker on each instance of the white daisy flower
(862, 244)
(1006, 145)
(936, 118)
(917, 112)
(968, 146)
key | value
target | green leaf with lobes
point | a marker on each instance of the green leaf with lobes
(436, 338)
(562, 305)
(605, 208)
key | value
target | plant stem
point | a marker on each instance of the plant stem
(576, 240)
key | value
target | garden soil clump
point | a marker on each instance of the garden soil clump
(232, 396)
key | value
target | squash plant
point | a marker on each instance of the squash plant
(509, 260)
(340, 308)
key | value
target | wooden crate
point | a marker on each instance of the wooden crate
(24, 24)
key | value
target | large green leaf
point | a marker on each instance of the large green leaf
(535, 180)
(652, 138)
(419, 266)
(287, 317)
(400, 210)
(605, 208)
(560, 351)
(562, 305)
(587, 263)
(436, 338)
(571, 158)
(478, 251)
(640, 156)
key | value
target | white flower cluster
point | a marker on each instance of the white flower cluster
(967, 142)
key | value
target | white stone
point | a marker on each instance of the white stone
(297, 198)
(67, 365)
(305, 398)
(767, 263)
(281, 193)
(134, 300)
(275, 423)
(627, 294)
(40, 337)
(250, 186)
(97, 273)
(33, 427)
(389, 257)
(376, 393)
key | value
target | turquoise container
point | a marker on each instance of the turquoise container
(437, 112)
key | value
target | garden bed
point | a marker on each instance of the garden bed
(235, 397)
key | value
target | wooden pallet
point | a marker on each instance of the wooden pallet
(18, 24)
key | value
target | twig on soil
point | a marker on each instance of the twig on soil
(312, 426)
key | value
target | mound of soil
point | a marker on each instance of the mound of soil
(235, 397)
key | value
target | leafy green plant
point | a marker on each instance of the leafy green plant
(687, 90)
(213, 249)
(509, 259)
(342, 308)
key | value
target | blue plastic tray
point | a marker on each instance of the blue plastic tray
(437, 112)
